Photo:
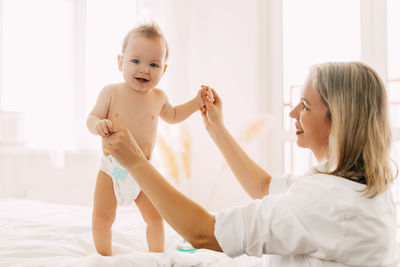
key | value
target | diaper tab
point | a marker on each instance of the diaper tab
(119, 173)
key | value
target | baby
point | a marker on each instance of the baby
(134, 104)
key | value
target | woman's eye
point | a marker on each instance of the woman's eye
(304, 106)
(153, 65)
(136, 61)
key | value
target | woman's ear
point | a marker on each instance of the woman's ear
(165, 68)
(120, 61)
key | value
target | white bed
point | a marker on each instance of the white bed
(34, 233)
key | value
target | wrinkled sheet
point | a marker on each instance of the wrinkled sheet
(34, 233)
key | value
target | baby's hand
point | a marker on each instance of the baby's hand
(208, 93)
(104, 127)
(199, 99)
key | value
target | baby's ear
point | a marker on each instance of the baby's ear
(120, 60)
(165, 68)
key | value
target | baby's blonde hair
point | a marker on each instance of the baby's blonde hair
(148, 30)
(360, 139)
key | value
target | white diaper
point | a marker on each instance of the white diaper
(126, 189)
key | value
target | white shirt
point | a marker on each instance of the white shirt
(314, 220)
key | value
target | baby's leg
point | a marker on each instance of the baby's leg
(104, 210)
(155, 225)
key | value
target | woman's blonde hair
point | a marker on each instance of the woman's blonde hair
(360, 138)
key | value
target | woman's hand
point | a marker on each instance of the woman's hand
(212, 113)
(123, 147)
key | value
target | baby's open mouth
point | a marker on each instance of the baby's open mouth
(142, 80)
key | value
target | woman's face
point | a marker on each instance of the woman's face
(312, 124)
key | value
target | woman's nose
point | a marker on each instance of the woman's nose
(294, 112)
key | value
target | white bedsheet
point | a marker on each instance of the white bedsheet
(34, 233)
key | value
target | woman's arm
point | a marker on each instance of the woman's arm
(188, 218)
(250, 175)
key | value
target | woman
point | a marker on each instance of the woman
(340, 213)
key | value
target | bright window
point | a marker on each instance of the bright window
(56, 56)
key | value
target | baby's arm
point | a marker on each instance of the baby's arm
(175, 114)
(97, 121)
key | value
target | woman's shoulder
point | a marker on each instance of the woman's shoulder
(314, 181)
(328, 186)
(346, 196)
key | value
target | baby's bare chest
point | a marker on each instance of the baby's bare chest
(140, 116)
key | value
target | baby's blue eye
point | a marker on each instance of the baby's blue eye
(153, 65)
(136, 61)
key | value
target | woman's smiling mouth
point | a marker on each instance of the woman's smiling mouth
(299, 130)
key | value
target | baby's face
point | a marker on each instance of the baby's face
(142, 63)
